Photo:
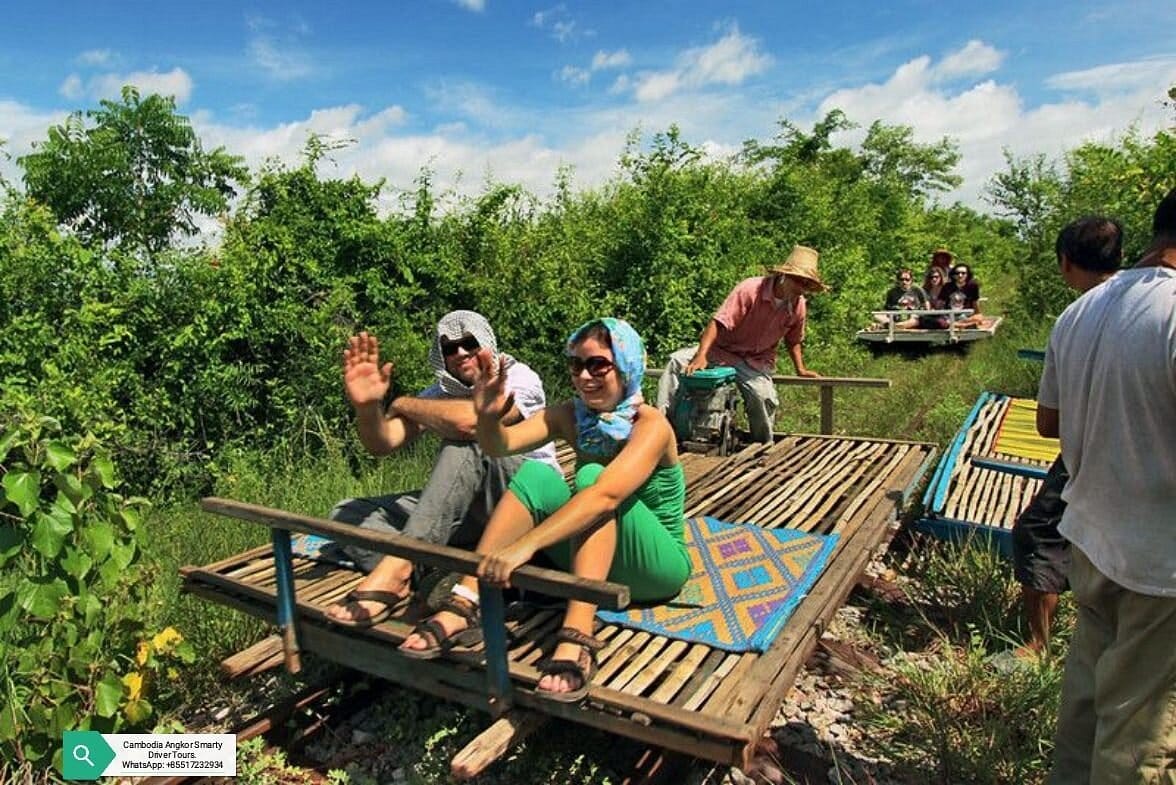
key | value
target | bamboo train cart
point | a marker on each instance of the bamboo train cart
(989, 473)
(888, 333)
(686, 697)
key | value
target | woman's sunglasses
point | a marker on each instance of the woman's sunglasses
(467, 342)
(596, 365)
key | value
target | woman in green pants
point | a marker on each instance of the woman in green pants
(624, 523)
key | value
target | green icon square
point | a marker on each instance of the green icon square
(84, 754)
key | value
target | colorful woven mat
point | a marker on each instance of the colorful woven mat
(1018, 437)
(744, 584)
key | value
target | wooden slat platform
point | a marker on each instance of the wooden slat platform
(962, 496)
(683, 696)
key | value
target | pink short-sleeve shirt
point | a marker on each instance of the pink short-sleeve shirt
(755, 323)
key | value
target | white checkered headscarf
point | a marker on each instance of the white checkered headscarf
(452, 327)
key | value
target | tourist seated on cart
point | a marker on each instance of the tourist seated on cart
(464, 484)
(934, 280)
(624, 523)
(963, 292)
(903, 296)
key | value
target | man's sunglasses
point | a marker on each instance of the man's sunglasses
(467, 342)
(960, 272)
(596, 365)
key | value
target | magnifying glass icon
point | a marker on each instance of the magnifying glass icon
(81, 754)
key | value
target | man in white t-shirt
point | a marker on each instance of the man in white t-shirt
(1108, 391)
(465, 483)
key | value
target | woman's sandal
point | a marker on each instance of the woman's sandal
(441, 642)
(583, 667)
(392, 602)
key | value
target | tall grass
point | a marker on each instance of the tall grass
(941, 710)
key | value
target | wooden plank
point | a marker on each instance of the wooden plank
(247, 556)
(711, 682)
(494, 742)
(637, 664)
(681, 674)
(718, 699)
(264, 654)
(657, 668)
(551, 582)
(827, 409)
(804, 381)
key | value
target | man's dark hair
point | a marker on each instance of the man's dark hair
(1164, 224)
(1093, 243)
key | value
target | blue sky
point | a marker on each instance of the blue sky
(514, 90)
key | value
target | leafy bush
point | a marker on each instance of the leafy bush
(71, 592)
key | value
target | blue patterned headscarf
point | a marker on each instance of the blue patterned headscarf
(604, 433)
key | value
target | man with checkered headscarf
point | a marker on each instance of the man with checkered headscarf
(465, 484)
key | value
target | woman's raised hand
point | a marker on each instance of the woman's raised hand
(364, 379)
(490, 396)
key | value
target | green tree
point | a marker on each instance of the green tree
(135, 177)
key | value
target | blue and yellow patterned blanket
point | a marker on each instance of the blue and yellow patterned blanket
(745, 582)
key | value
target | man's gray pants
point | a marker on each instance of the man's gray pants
(760, 400)
(453, 507)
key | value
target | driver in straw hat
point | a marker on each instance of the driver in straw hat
(745, 333)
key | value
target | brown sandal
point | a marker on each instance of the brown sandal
(440, 641)
(584, 667)
(392, 602)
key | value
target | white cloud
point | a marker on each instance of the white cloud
(72, 87)
(283, 62)
(730, 61)
(617, 59)
(574, 76)
(656, 86)
(559, 22)
(1157, 73)
(96, 57)
(473, 101)
(472, 5)
(542, 18)
(975, 59)
(986, 117)
(277, 50)
(176, 83)
(20, 127)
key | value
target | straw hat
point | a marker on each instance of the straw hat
(801, 263)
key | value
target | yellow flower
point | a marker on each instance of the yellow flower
(142, 653)
(166, 640)
(134, 682)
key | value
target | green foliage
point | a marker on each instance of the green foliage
(257, 765)
(136, 177)
(1124, 180)
(71, 589)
